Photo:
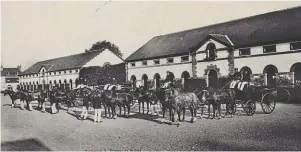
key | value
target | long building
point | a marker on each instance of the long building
(263, 46)
(9, 77)
(65, 71)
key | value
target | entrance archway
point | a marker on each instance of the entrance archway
(144, 80)
(185, 76)
(270, 72)
(133, 80)
(296, 68)
(71, 85)
(157, 80)
(212, 78)
(246, 73)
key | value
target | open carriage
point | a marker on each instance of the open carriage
(248, 97)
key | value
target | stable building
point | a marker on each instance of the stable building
(263, 47)
(65, 71)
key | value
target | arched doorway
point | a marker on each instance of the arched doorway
(296, 68)
(60, 84)
(76, 82)
(144, 80)
(133, 80)
(185, 76)
(157, 80)
(270, 72)
(246, 73)
(212, 78)
(70, 83)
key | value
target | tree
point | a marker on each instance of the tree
(101, 46)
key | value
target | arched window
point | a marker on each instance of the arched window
(296, 68)
(76, 82)
(270, 72)
(185, 76)
(133, 80)
(144, 80)
(211, 52)
(246, 73)
(157, 80)
(106, 64)
(70, 83)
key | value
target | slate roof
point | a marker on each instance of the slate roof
(274, 27)
(11, 71)
(62, 63)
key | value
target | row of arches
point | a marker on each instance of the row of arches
(270, 72)
(61, 84)
(157, 79)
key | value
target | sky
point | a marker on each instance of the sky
(33, 31)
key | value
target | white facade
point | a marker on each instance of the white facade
(67, 76)
(283, 59)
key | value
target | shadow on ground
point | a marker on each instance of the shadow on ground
(30, 144)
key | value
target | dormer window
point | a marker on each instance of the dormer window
(269, 49)
(65, 72)
(169, 60)
(144, 63)
(133, 64)
(295, 46)
(211, 52)
(59, 72)
(156, 62)
(106, 64)
(70, 71)
(184, 58)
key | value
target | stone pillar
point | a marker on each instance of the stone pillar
(194, 65)
(231, 65)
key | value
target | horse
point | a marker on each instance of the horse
(109, 104)
(183, 100)
(13, 96)
(124, 100)
(141, 95)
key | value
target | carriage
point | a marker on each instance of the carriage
(247, 99)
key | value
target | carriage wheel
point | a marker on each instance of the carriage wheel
(284, 95)
(268, 104)
(249, 107)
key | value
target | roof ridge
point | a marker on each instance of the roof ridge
(234, 20)
(66, 56)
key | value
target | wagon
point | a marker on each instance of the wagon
(247, 100)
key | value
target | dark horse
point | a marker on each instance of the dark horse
(13, 96)
(141, 95)
(109, 104)
(216, 97)
(124, 100)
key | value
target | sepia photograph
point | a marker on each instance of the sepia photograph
(150, 75)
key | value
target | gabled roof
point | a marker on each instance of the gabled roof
(62, 63)
(273, 27)
(10, 71)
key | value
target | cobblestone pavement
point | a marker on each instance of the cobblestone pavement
(33, 130)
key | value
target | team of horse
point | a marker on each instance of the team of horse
(172, 98)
